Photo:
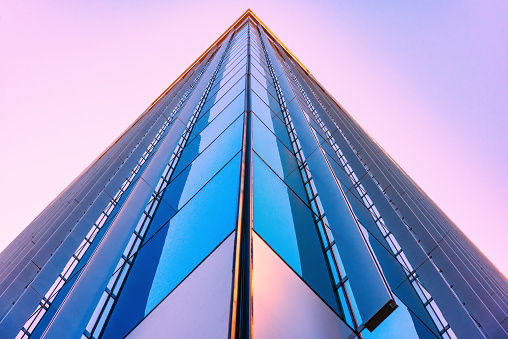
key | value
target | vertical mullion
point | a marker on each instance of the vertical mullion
(241, 307)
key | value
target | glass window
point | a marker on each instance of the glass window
(268, 96)
(226, 83)
(231, 111)
(402, 323)
(220, 151)
(210, 284)
(261, 73)
(271, 150)
(260, 67)
(222, 78)
(287, 225)
(226, 93)
(284, 306)
(176, 249)
(264, 112)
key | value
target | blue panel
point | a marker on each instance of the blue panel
(361, 269)
(273, 219)
(219, 149)
(200, 306)
(402, 323)
(235, 57)
(176, 249)
(233, 109)
(268, 147)
(234, 73)
(263, 88)
(232, 89)
(287, 225)
(225, 85)
(260, 73)
(261, 67)
(397, 279)
(336, 166)
(264, 112)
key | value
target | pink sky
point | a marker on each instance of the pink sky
(429, 81)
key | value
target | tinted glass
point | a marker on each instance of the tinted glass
(176, 249)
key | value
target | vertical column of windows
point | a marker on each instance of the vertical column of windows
(110, 295)
(424, 295)
(341, 286)
(67, 272)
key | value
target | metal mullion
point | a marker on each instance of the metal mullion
(241, 305)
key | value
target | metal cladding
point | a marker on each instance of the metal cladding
(246, 202)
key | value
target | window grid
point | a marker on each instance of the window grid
(343, 293)
(429, 304)
(105, 305)
(63, 277)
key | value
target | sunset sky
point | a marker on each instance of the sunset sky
(427, 80)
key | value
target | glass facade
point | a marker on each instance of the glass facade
(246, 202)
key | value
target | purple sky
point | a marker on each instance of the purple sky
(427, 80)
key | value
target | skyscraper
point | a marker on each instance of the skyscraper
(246, 202)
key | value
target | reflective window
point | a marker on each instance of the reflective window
(268, 96)
(260, 73)
(177, 248)
(207, 163)
(231, 111)
(225, 85)
(226, 93)
(287, 225)
(402, 323)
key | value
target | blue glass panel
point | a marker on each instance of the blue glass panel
(265, 81)
(255, 49)
(396, 277)
(279, 129)
(269, 95)
(257, 44)
(273, 219)
(39, 330)
(261, 73)
(239, 48)
(226, 83)
(239, 44)
(261, 109)
(232, 90)
(317, 129)
(287, 225)
(231, 111)
(261, 61)
(236, 104)
(402, 323)
(408, 298)
(194, 177)
(294, 181)
(176, 249)
(215, 156)
(228, 69)
(264, 112)
(256, 69)
(337, 168)
(228, 74)
(271, 150)
(234, 58)
(222, 74)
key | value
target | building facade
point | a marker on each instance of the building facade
(246, 202)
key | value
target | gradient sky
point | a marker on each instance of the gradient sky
(427, 80)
